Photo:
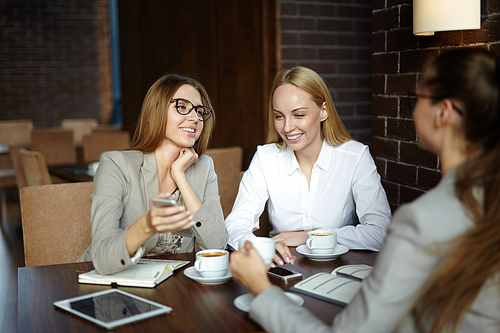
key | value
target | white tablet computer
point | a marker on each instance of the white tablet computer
(112, 308)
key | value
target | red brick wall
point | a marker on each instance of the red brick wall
(397, 58)
(334, 39)
(54, 60)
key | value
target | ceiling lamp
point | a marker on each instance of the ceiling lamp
(445, 15)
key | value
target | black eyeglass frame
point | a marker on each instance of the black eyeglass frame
(193, 107)
(411, 104)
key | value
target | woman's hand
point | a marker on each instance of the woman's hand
(292, 238)
(187, 156)
(283, 255)
(247, 266)
(167, 219)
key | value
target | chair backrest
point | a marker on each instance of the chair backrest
(56, 222)
(80, 127)
(97, 142)
(34, 168)
(55, 144)
(227, 163)
(18, 165)
(16, 131)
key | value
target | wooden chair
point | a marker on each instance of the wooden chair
(55, 144)
(34, 168)
(11, 131)
(80, 127)
(56, 222)
(227, 163)
(107, 128)
(17, 131)
(18, 165)
(97, 142)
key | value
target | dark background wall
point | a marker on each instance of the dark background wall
(54, 61)
(397, 58)
(54, 64)
(229, 46)
(334, 39)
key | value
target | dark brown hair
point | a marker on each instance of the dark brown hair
(152, 123)
(468, 76)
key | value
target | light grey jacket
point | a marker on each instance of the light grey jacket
(123, 185)
(409, 256)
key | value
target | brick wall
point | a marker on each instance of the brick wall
(334, 39)
(54, 60)
(397, 58)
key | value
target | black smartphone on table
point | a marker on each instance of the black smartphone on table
(284, 273)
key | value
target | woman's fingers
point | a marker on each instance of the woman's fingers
(283, 254)
(171, 219)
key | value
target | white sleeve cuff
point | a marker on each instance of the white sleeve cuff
(138, 254)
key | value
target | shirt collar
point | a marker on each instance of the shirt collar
(323, 161)
(325, 156)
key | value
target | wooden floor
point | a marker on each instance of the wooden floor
(11, 257)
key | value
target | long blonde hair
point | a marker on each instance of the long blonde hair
(471, 76)
(152, 123)
(332, 129)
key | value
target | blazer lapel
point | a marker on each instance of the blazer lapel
(150, 176)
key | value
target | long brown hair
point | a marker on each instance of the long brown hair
(152, 123)
(471, 76)
(332, 129)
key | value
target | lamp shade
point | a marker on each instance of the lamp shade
(444, 15)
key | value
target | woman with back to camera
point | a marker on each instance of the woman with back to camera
(439, 269)
(311, 174)
(165, 160)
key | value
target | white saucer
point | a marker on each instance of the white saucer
(339, 250)
(192, 273)
(242, 302)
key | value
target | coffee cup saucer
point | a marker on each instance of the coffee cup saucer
(306, 252)
(192, 273)
(242, 302)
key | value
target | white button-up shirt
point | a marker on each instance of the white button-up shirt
(345, 194)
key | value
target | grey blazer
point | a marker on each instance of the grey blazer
(412, 251)
(123, 185)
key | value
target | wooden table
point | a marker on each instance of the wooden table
(71, 172)
(196, 307)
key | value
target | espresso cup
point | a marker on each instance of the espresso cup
(264, 245)
(212, 263)
(321, 241)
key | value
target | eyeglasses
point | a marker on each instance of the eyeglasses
(184, 107)
(411, 99)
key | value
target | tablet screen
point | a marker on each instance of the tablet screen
(112, 308)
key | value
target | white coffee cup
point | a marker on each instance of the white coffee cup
(264, 245)
(321, 241)
(212, 263)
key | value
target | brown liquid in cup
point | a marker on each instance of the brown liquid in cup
(321, 234)
(212, 254)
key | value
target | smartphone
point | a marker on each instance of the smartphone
(160, 202)
(283, 273)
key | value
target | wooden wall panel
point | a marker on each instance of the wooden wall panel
(229, 46)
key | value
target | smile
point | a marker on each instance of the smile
(187, 129)
(293, 137)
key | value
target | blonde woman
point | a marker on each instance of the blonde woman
(164, 160)
(439, 269)
(311, 174)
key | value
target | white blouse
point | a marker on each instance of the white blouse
(345, 194)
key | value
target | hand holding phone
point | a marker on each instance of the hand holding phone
(283, 273)
(162, 202)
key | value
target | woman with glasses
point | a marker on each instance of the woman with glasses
(165, 160)
(439, 268)
(311, 174)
